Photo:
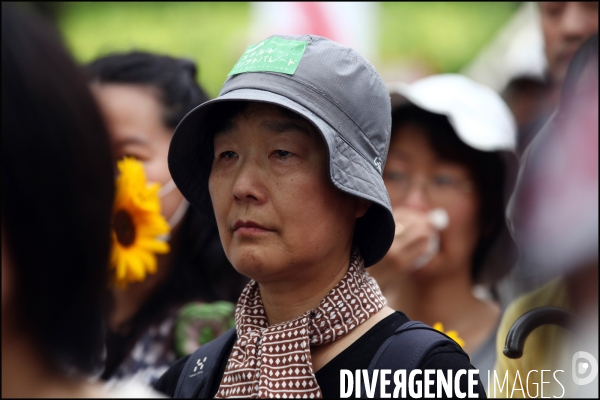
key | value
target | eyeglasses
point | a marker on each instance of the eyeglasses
(440, 188)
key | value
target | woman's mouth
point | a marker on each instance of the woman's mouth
(249, 228)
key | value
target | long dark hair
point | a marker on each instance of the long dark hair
(175, 79)
(486, 168)
(200, 269)
(57, 194)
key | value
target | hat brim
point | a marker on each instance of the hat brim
(191, 154)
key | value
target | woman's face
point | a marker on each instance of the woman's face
(133, 115)
(278, 214)
(434, 183)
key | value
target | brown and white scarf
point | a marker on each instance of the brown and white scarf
(275, 361)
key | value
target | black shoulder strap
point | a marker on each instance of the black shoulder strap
(405, 349)
(200, 366)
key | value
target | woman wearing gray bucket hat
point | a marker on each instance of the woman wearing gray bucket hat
(450, 169)
(288, 161)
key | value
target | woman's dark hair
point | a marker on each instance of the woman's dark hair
(57, 194)
(200, 270)
(486, 168)
(174, 78)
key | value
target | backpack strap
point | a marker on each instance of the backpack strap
(199, 369)
(406, 349)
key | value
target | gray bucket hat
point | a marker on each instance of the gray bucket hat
(334, 88)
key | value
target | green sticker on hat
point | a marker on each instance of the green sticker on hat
(274, 55)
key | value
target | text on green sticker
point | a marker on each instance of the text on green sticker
(273, 55)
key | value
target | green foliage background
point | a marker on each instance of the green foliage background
(214, 34)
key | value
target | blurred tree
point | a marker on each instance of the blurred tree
(213, 34)
(444, 36)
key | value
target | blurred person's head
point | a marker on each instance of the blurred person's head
(555, 208)
(57, 198)
(456, 137)
(143, 97)
(524, 96)
(565, 26)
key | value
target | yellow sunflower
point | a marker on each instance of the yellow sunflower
(453, 334)
(137, 223)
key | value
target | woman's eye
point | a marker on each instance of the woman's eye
(443, 180)
(228, 155)
(283, 154)
(395, 176)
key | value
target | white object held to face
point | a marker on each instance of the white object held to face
(439, 219)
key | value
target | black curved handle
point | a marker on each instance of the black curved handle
(526, 323)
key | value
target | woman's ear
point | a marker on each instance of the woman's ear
(362, 206)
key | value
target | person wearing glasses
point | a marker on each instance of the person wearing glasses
(448, 173)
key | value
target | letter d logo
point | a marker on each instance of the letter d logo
(580, 367)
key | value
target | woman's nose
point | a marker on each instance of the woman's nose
(249, 185)
(417, 198)
(571, 26)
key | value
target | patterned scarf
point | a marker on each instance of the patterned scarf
(275, 361)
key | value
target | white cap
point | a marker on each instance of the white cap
(479, 116)
(482, 121)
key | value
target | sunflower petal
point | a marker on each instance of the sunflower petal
(149, 261)
(121, 268)
(157, 246)
(452, 333)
